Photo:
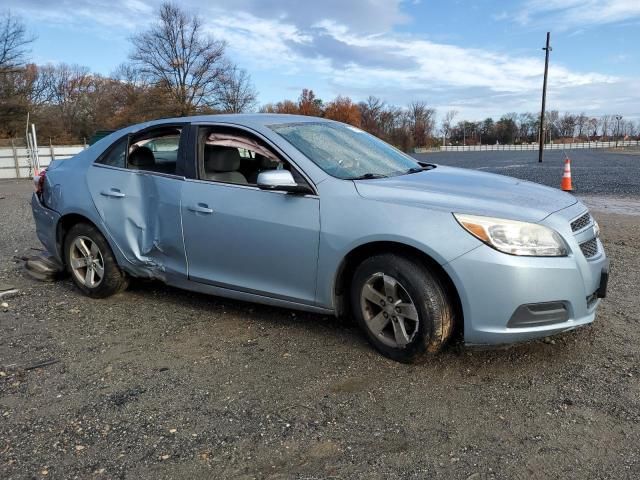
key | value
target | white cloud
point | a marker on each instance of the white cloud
(565, 14)
(478, 82)
(361, 15)
(127, 14)
(351, 48)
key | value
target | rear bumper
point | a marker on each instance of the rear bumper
(495, 288)
(46, 221)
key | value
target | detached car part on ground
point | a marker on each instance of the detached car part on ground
(311, 214)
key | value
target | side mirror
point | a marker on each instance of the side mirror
(280, 180)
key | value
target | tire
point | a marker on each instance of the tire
(83, 245)
(401, 338)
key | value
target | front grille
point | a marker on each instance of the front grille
(581, 222)
(589, 248)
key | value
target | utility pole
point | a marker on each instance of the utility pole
(618, 118)
(547, 49)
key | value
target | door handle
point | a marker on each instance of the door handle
(113, 192)
(201, 208)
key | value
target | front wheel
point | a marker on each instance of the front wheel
(402, 307)
(91, 263)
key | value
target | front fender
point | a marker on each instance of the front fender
(350, 221)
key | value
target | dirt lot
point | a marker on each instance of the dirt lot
(161, 383)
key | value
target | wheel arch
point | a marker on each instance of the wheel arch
(357, 255)
(65, 223)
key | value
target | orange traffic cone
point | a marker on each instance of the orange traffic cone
(566, 176)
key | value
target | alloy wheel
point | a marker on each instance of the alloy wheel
(86, 262)
(388, 310)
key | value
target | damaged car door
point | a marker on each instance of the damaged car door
(136, 186)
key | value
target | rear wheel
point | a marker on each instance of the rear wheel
(402, 307)
(91, 263)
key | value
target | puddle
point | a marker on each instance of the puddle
(621, 205)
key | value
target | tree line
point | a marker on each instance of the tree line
(517, 128)
(175, 68)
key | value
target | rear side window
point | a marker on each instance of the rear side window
(155, 151)
(116, 155)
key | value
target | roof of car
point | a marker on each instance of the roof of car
(248, 119)
(256, 121)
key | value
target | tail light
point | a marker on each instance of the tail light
(38, 181)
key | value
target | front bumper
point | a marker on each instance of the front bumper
(46, 221)
(495, 288)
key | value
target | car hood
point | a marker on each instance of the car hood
(469, 191)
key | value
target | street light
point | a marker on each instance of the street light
(618, 118)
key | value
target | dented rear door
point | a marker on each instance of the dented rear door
(141, 211)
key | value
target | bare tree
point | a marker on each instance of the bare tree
(592, 126)
(422, 120)
(581, 123)
(14, 42)
(370, 113)
(447, 124)
(236, 93)
(606, 122)
(567, 125)
(177, 56)
(71, 86)
(15, 89)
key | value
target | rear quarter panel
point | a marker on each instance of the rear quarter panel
(67, 182)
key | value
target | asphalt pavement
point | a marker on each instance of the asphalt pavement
(594, 172)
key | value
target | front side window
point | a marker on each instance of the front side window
(228, 155)
(344, 151)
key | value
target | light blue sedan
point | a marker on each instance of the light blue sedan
(316, 215)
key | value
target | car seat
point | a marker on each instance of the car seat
(221, 164)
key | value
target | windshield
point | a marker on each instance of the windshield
(344, 151)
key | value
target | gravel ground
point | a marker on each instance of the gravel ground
(601, 172)
(161, 383)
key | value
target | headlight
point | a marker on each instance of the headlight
(513, 237)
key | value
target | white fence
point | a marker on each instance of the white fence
(529, 147)
(14, 161)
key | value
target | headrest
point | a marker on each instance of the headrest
(142, 157)
(266, 162)
(221, 159)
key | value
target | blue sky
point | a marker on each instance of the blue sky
(481, 58)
